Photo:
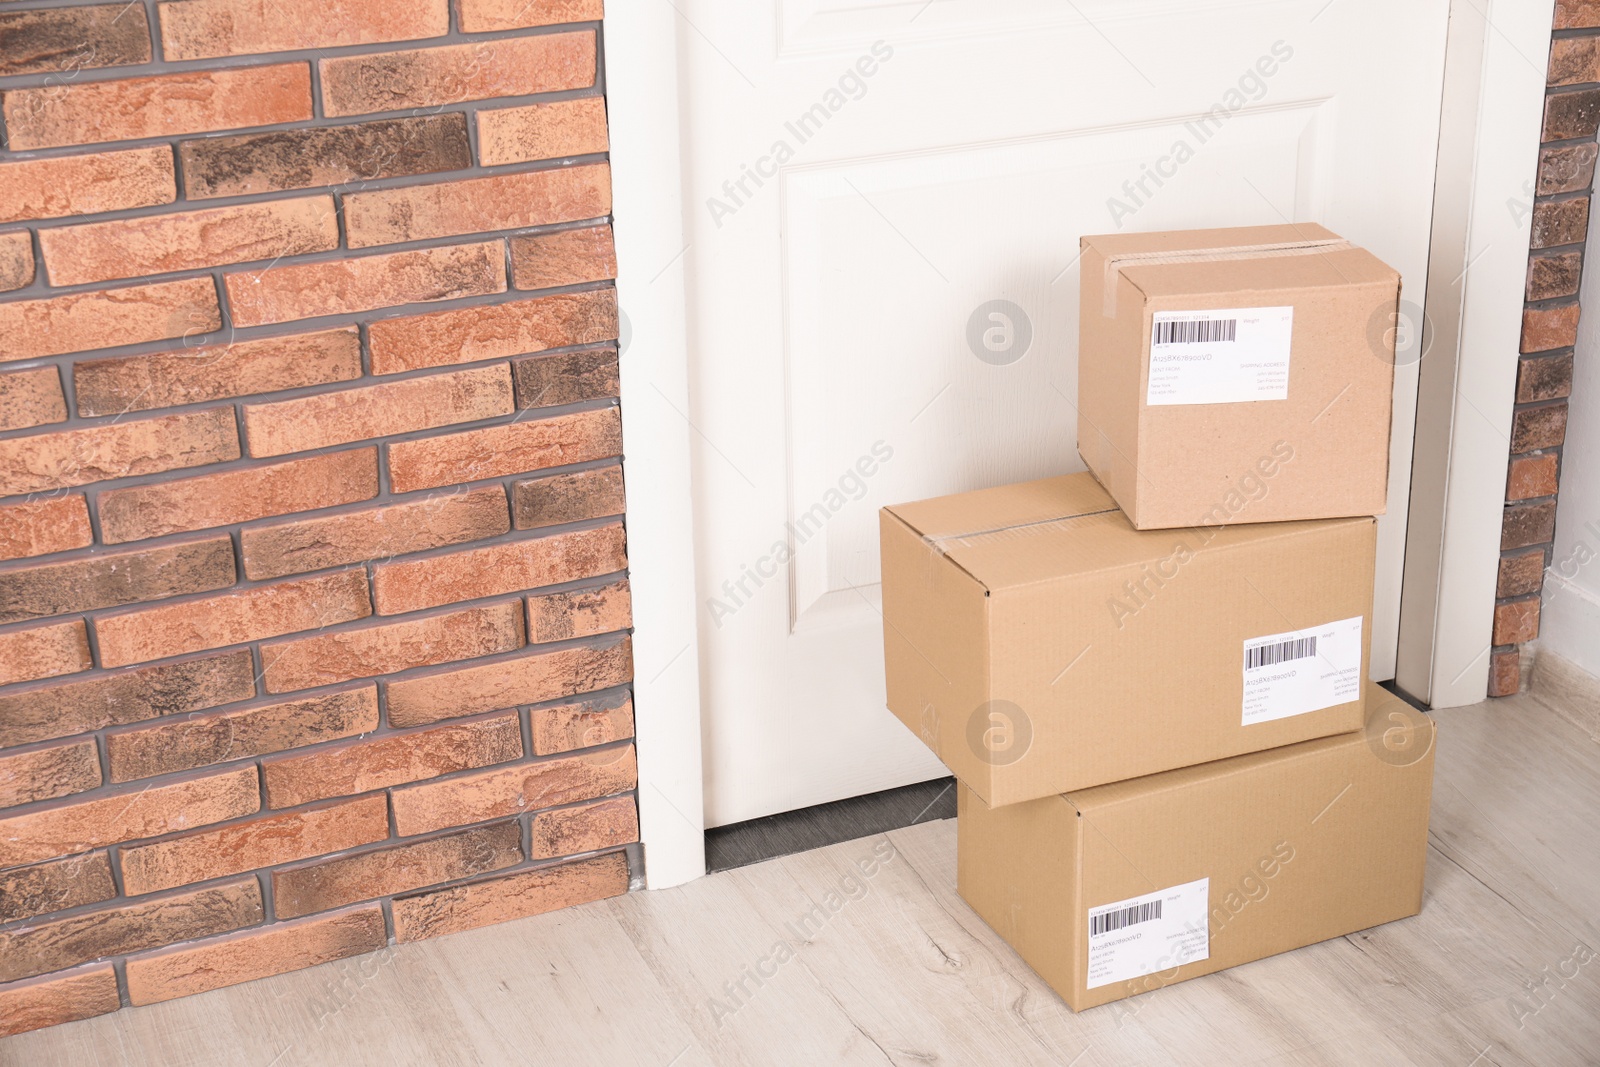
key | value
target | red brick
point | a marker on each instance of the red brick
(1505, 673)
(448, 74)
(542, 131)
(201, 740)
(16, 260)
(44, 525)
(228, 497)
(342, 286)
(1547, 328)
(471, 334)
(1554, 276)
(1577, 14)
(87, 184)
(478, 205)
(510, 448)
(569, 378)
(491, 16)
(506, 567)
(248, 846)
(1559, 222)
(57, 999)
(377, 763)
(56, 944)
(566, 257)
(45, 651)
(216, 372)
(1520, 574)
(561, 498)
(1516, 621)
(31, 398)
(1531, 476)
(160, 808)
(47, 773)
(1571, 114)
(236, 958)
(368, 411)
(319, 886)
(64, 458)
(206, 29)
(159, 106)
(1574, 60)
(232, 618)
(55, 885)
(1566, 169)
(513, 896)
(105, 318)
(579, 613)
(526, 678)
(112, 579)
(504, 791)
(1538, 427)
(1544, 378)
(586, 828)
(584, 724)
(1528, 524)
(379, 533)
(72, 39)
(112, 698)
(367, 651)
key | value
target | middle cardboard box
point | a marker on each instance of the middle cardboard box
(1039, 644)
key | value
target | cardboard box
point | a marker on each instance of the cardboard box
(1038, 643)
(1238, 375)
(1126, 888)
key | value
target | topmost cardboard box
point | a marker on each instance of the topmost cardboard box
(1237, 375)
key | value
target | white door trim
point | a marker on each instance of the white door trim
(1478, 259)
(641, 53)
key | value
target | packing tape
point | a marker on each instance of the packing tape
(1115, 263)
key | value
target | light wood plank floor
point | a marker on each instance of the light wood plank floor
(905, 974)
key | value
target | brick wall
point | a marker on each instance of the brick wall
(313, 620)
(1561, 191)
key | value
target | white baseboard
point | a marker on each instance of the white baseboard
(1567, 689)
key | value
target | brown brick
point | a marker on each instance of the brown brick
(16, 260)
(44, 525)
(550, 381)
(566, 257)
(117, 450)
(560, 498)
(47, 773)
(377, 763)
(57, 999)
(201, 740)
(1574, 60)
(374, 533)
(1571, 114)
(1531, 476)
(55, 885)
(248, 846)
(1528, 524)
(478, 205)
(586, 828)
(506, 567)
(45, 651)
(579, 613)
(326, 155)
(31, 398)
(228, 497)
(1538, 427)
(369, 411)
(492, 16)
(1554, 276)
(216, 372)
(448, 74)
(56, 944)
(1547, 328)
(1544, 378)
(1577, 14)
(1567, 169)
(513, 896)
(236, 958)
(160, 106)
(1520, 574)
(510, 448)
(368, 651)
(111, 579)
(111, 698)
(584, 724)
(126, 815)
(315, 887)
(1505, 672)
(1516, 621)
(525, 678)
(206, 29)
(343, 286)
(188, 240)
(87, 184)
(72, 39)
(105, 318)
(542, 131)
(1560, 222)
(471, 334)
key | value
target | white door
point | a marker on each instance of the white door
(884, 200)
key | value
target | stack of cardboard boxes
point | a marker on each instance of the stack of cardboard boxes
(1150, 681)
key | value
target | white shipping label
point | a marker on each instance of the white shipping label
(1155, 932)
(1302, 670)
(1225, 356)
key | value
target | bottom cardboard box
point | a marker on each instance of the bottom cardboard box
(1124, 888)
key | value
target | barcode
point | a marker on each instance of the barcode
(1116, 920)
(1282, 652)
(1194, 331)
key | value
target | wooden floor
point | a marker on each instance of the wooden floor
(904, 973)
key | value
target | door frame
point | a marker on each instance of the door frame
(1489, 114)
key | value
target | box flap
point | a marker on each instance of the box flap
(1117, 244)
(1004, 507)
